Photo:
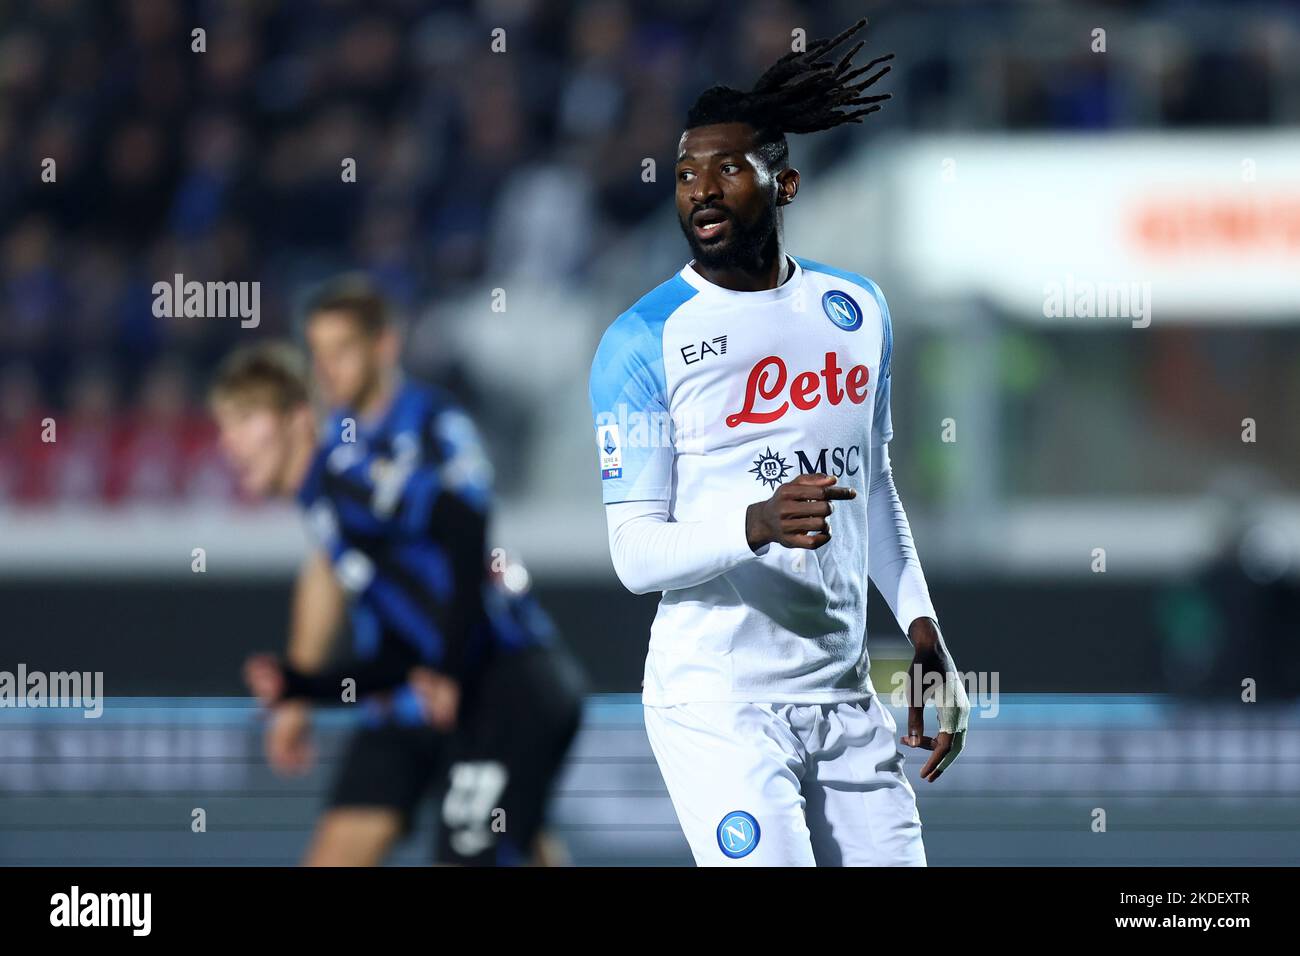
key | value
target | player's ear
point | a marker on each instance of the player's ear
(390, 344)
(787, 185)
(303, 417)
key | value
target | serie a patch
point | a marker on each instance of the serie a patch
(611, 451)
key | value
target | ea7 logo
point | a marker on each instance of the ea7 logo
(692, 354)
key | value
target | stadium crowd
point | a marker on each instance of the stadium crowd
(226, 164)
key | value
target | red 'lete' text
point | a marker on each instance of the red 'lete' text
(768, 378)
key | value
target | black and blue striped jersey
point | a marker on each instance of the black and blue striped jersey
(400, 506)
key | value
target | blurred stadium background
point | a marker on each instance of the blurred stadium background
(1014, 158)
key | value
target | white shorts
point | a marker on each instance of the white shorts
(788, 784)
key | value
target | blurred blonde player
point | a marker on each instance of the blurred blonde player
(464, 689)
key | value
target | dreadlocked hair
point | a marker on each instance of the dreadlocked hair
(799, 93)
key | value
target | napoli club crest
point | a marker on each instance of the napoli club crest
(841, 309)
(738, 834)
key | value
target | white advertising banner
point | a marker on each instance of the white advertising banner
(1187, 227)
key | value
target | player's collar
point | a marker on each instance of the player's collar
(786, 289)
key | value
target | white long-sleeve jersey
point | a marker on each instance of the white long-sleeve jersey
(705, 400)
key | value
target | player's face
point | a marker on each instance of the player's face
(726, 197)
(255, 439)
(345, 358)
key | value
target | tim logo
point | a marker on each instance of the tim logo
(738, 834)
(692, 354)
(842, 310)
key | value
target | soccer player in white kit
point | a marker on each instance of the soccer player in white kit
(737, 405)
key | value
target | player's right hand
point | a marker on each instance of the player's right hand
(289, 749)
(795, 516)
(439, 696)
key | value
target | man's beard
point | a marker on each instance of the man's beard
(370, 386)
(748, 247)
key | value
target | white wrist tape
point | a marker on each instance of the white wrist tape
(953, 704)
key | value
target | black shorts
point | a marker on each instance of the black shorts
(389, 767)
(492, 775)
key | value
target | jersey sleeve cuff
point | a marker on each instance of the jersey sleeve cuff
(734, 522)
(914, 602)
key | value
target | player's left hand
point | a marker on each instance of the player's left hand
(265, 678)
(931, 658)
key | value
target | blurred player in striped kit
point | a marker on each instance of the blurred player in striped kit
(463, 687)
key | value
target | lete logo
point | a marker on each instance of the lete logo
(768, 379)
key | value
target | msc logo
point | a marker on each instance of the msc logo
(738, 834)
(769, 468)
(842, 310)
(843, 461)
